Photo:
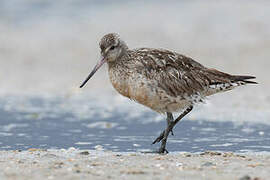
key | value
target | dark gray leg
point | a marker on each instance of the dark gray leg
(169, 121)
(164, 135)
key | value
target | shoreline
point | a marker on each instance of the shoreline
(94, 164)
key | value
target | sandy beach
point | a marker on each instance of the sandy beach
(93, 164)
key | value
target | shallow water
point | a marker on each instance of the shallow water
(33, 125)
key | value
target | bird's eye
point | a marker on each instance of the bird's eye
(112, 48)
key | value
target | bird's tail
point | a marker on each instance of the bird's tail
(244, 79)
(223, 82)
(219, 77)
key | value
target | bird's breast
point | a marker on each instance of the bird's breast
(119, 81)
(132, 86)
(144, 91)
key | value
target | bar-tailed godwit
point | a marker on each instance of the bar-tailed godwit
(162, 80)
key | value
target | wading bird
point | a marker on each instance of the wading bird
(162, 80)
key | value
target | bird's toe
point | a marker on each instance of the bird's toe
(159, 138)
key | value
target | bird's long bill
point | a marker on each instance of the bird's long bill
(98, 65)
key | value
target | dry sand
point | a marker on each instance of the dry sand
(81, 164)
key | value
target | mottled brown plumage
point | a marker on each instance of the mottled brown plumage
(162, 80)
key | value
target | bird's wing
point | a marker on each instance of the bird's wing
(180, 75)
(175, 73)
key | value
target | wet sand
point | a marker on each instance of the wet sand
(94, 164)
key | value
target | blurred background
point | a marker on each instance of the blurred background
(47, 48)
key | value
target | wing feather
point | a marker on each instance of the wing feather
(180, 75)
(175, 73)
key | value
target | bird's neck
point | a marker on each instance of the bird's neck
(119, 76)
(120, 61)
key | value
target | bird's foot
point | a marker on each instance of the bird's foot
(161, 136)
(162, 151)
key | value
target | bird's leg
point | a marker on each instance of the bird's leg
(182, 115)
(169, 121)
(169, 128)
(164, 135)
(160, 137)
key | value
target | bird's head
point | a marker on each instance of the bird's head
(112, 49)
